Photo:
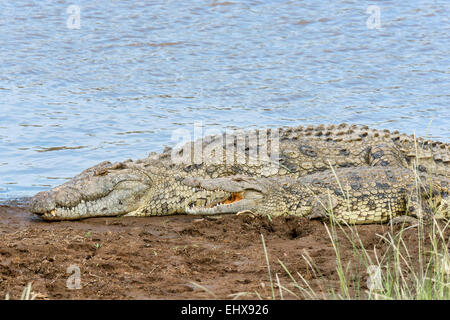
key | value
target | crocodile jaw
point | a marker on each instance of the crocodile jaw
(245, 194)
(235, 207)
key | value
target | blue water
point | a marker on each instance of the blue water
(135, 71)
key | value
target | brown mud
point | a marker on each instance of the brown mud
(176, 257)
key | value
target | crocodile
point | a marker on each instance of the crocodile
(361, 195)
(156, 185)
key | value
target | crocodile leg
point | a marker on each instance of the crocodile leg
(413, 207)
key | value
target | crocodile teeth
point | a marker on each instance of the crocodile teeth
(234, 207)
(200, 210)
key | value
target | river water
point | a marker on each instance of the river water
(87, 81)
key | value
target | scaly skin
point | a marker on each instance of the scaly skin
(154, 185)
(354, 196)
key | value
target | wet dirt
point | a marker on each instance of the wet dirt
(177, 257)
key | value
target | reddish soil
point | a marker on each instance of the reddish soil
(161, 257)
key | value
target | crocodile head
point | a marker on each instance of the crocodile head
(127, 189)
(245, 194)
(103, 190)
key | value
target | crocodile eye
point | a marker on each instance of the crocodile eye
(317, 183)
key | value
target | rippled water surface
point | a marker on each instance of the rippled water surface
(135, 71)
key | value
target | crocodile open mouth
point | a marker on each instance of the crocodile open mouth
(235, 196)
(236, 202)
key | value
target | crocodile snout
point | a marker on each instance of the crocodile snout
(43, 202)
